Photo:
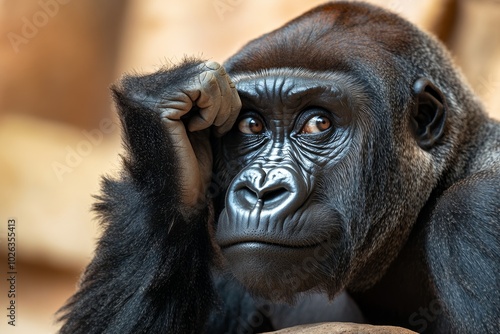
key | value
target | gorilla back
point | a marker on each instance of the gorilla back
(341, 151)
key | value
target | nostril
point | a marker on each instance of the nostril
(269, 195)
(249, 194)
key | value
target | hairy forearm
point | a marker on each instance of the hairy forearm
(151, 270)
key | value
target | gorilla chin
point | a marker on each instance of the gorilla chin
(278, 266)
(277, 272)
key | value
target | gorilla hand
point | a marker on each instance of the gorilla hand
(189, 98)
(208, 98)
(151, 226)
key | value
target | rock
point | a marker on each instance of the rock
(343, 327)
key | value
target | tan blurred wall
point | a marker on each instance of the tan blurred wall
(476, 45)
(216, 29)
(57, 58)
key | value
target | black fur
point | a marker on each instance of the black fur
(151, 271)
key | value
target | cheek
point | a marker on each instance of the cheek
(238, 150)
(341, 187)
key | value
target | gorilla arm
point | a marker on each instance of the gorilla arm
(464, 231)
(151, 269)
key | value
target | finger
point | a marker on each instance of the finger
(211, 65)
(208, 102)
(176, 106)
(234, 110)
(189, 177)
(223, 83)
(225, 105)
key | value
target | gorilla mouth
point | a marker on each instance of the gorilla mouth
(302, 230)
(266, 268)
(269, 244)
(264, 249)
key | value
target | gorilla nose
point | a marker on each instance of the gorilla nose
(267, 195)
(255, 189)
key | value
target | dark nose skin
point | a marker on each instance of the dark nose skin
(267, 190)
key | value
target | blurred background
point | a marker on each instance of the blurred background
(58, 131)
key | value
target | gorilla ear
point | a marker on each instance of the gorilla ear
(429, 114)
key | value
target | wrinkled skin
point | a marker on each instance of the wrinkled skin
(342, 151)
(273, 217)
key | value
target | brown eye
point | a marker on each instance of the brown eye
(251, 126)
(316, 124)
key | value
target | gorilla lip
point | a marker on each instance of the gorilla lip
(267, 242)
(262, 227)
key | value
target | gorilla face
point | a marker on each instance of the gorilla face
(294, 135)
(319, 194)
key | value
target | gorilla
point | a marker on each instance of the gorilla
(342, 151)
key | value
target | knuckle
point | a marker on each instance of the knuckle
(221, 71)
(212, 65)
(215, 68)
(203, 75)
(208, 79)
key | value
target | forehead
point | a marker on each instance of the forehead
(284, 80)
(269, 86)
(295, 87)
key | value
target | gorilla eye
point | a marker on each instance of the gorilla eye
(316, 124)
(251, 126)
